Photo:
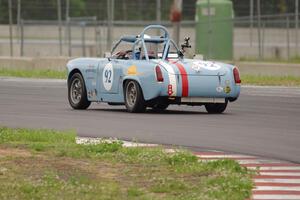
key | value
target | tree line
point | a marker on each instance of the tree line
(128, 9)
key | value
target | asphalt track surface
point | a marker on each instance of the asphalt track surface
(265, 121)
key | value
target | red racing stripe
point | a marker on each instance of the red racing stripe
(184, 78)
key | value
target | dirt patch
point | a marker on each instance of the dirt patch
(35, 165)
(14, 152)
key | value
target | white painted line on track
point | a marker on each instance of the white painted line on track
(257, 161)
(268, 87)
(87, 140)
(258, 188)
(170, 150)
(277, 94)
(276, 197)
(222, 156)
(280, 173)
(32, 80)
(239, 161)
(276, 180)
(276, 168)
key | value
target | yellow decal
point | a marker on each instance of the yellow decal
(227, 89)
(132, 70)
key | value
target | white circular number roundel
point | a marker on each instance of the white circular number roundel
(197, 65)
(108, 76)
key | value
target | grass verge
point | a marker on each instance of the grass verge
(292, 60)
(47, 164)
(33, 73)
(270, 80)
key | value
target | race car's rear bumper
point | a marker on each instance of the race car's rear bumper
(201, 100)
(192, 101)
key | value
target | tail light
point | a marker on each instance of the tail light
(236, 75)
(159, 75)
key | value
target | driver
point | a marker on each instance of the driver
(138, 50)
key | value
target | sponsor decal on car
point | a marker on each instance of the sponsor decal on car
(199, 64)
(108, 76)
(132, 70)
(92, 94)
(90, 70)
(220, 89)
(227, 89)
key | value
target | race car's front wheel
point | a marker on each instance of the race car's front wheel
(77, 92)
(215, 108)
(134, 99)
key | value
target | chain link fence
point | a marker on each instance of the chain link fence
(72, 32)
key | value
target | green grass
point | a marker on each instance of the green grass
(270, 80)
(47, 164)
(292, 60)
(33, 73)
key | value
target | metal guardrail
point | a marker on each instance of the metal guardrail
(285, 34)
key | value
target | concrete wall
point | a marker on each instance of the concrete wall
(57, 63)
(42, 40)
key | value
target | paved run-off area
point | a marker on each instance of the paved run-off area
(265, 121)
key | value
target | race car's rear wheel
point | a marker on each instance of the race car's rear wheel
(215, 108)
(134, 99)
(77, 92)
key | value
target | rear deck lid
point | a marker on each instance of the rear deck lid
(202, 68)
(193, 67)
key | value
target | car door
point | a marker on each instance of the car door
(109, 74)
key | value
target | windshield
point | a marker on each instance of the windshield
(156, 50)
(122, 50)
(126, 50)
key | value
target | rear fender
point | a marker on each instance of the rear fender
(150, 88)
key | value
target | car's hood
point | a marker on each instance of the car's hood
(193, 67)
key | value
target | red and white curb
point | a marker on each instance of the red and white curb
(275, 179)
(89, 140)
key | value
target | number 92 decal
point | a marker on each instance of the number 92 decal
(108, 76)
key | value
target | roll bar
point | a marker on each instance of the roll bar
(159, 27)
(142, 39)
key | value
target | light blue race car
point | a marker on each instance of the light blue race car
(148, 70)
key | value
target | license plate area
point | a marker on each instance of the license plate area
(202, 100)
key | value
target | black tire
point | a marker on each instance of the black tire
(216, 108)
(134, 98)
(77, 94)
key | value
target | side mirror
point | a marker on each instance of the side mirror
(186, 44)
